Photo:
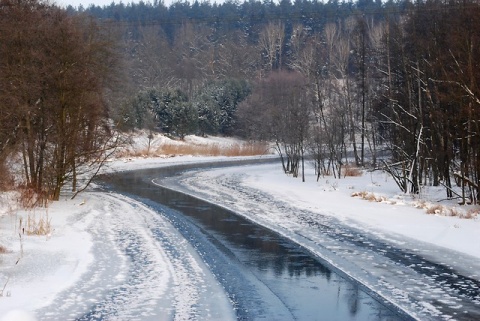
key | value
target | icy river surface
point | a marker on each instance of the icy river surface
(265, 275)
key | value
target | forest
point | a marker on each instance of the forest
(390, 85)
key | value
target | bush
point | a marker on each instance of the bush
(351, 171)
(6, 178)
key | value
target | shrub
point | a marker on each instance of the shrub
(435, 209)
(30, 198)
(471, 213)
(34, 226)
(351, 171)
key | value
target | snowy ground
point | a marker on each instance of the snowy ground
(392, 212)
(98, 247)
(315, 215)
(87, 252)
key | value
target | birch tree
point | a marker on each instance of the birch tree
(271, 42)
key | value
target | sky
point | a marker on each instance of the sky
(85, 3)
(101, 3)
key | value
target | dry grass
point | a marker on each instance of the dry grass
(450, 211)
(246, 149)
(361, 194)
(434, 209)
(471, 213)
(36, 226)
(429, 208)
(371, 197)
(351, 171)
(134, 153)
(42, 226)
(422, 204)
(438, 209)
(241, 149)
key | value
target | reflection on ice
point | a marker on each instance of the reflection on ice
(266, 275)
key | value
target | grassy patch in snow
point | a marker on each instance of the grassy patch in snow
(428, 207)
(161, 146)
(237, 149)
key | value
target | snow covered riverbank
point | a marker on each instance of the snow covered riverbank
(391, 212)
(390, 245)
(94, 244)
(86, 238)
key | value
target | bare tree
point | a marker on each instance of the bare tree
(284, 116)
(236, 57)
(341, 54)
(193, 60)
(271, 42)
(331, 33)
(55, 70)
(149, 57)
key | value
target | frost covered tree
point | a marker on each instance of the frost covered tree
(168, 111)
(271, 42)
(217, 105)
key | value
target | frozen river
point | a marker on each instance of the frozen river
(265, 276)
(211, 244)
(429, 281)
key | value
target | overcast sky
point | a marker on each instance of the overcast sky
(87, 3)
(101, 3)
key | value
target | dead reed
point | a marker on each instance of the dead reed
(351, 171)
(178, 149)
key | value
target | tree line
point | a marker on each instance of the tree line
(329, 80)
(388, 85)
(333, 81)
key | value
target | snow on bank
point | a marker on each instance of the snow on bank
(68, 267)
(35, 268)
(322, 216)
(108, 253)
(134, 155)
(392, 212)
(145, 144)
(396, 213)
(38, 271)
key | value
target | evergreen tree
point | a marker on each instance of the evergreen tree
(217, 105)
